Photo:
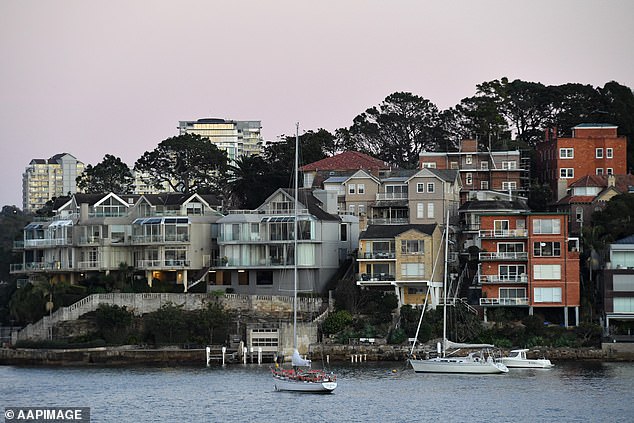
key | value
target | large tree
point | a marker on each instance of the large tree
(111, 175)
(187, 163)
(250, 180)
(397, 130)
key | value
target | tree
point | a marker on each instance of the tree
(616, 221)
(166, 325)
(250, 180)
(111, 175)
(210, 318)
(187, 163)
(113, 322)
(397, 130)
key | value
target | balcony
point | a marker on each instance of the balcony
(41, 243)
(503, 233)
(38, 266)
(500, 302)
(376, 277)
(377, 255)
(160, 239)
(388, 221)
(162, 264)
(503, 256)
(382, 196)
(496, 279)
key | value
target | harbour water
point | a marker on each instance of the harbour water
(367, 392)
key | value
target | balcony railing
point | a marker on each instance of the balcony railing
(519, 301)
(87, 265)
(392, 196)
(504, 256)
(388, 221)
(37, 266)
(503, 279)
(377, 277)
(40, 243)
(504, 233)
(378, 255)
(255, 263)
(159, 239)
(154, 264)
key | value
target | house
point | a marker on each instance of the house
(166, 237)
(593, 149)
(528, 260)
(408, 259)
(590, 194)
(257, 247)
(502, 171)
(342, 164)
(618, 286)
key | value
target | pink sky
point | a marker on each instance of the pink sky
(114, 77)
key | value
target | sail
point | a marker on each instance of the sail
(450, 344)
(297, 360)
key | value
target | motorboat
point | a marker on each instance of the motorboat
(517, 358)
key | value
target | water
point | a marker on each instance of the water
(367, 392)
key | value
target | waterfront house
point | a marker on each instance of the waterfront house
(618, 286)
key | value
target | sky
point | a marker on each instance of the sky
(99, 77)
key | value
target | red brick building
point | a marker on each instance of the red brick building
(528, 260)
(594, 149)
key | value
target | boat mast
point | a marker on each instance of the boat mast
(444, 309)
(295, 226)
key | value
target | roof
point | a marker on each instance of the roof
(391, 231)
(348, 160)
(626, 240)
(493, 205)
(448, 175)
(308, 200)
(594, 125)
(575, 199)
(622, 183)
(177, 199)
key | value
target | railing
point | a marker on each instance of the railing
(158, 239)
(44, 242)
(503, 279)
(504, 256)
(288, 212)
(90, 240)
(89, 265)
(520, 301)
(388, 221)
(263, 262)
(149, 264)
(392, 196)
(378, 255)
(377, 277)
(504, 233)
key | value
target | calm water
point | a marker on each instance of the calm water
(384, 392)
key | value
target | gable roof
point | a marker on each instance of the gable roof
(348, 160)
(308, 200)
(392, 231)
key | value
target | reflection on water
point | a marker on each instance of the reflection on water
(586, 391)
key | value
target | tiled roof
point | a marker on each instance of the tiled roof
(348, 160)
(391, 231)
(576, 199)
(622, 183)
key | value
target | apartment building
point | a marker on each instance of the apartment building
(593, 149)
(408, 259)
(501, 171)
(44, 179)
(618, 286)
(167, 237)
(528, 260)
(236, 137)
(257, 246)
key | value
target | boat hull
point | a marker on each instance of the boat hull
(457, 365)
(529, 364)
(304, 386)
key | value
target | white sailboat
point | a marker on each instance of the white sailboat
(300, 378)
(481, 362)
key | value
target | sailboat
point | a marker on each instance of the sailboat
(481, 362)
(300, 378)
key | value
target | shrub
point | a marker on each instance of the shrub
(336, 322)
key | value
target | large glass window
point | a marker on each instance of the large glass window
(412, 246)
(511, 272)
(412, 270)
(512, 293)
(547, 295)
(547, 271)
(546, 226)
(546, 249)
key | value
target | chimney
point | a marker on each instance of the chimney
(611, 180)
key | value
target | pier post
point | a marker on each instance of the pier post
(259, 355)
(244, 355)
(208, 351)
(327, 359)
(224, 350)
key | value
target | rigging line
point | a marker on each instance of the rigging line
(433, 272)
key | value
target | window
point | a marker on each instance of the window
(343, 232)
(610, 171)
(546, 226)
(420, 187)
(546, 249)
(453, 165)
(412, 269)
(599, 171)
(416, 246)
(430, 210)
(599, 153)
(351, 208)
(509, 165)
(513, 293)
(469, 179)
(566, 153)
(484, 165)
(264, 277)
(547, 271)
(429, 165)
(361, 189)
(500, 227)
(623, 305)
(547, 295)
(509, 185)
(431, 187)
(579, 214)
(622, 283)
(420, 207)
(567, 172)
(510, 247)
(609, 153)
(511, 272)
(352, 188)
(468, 159)
(484, 184)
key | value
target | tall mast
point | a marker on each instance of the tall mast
(444, 309)
(295, 226)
